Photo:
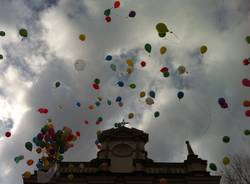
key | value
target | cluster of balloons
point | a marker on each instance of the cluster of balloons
(43, 110)
(96, 83)
(222, 102)
(52, 143)
(164, 71)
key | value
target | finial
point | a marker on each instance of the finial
(189, 148)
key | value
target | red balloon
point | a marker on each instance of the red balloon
(78, 134)
(108, 18)
(143, 63)
(43, 110)
(164, 69)
(99, 146)
(246, 103)
(86, 122)
(95, 86)
(246, 82)
(247, 113)
(245, 62)
(7, 134)
(117, 4)
(97, 122)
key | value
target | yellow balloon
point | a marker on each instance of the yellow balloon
(142, 94)
(203, 49)
(82, 37)
(163, 50)
(26, 175)
(130, 115)
(130, 62)
(181, 69)
(226, 160)
(129, 70)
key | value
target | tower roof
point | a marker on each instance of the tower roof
(122, 133)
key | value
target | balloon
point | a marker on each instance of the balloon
(43, 110)
(142, 94)
(132, 86)
(113, 67)
(108, 19)
(7, 134)
(130, 62)
(152, 94)
(162, 35)
(91, 107)
(161, 28)
(213, 167)
(203, 49)
(143, 63)
(97, 81)
(28, 146)
(78, 104)
(226, 139)
(129, 70)
(109, 102)
(82, 37)
(247, 113)
(97, 103)
(118, 99)
(148, 48)
(71, 177)
(247, 132)
(107, 12)
(18, 158)
(117, 4)
(120, 83)
(156, 114)
(2, 33)
(57, 84)
(1, 56)
(86, 122)
(120, 104)
(149, 101)
(166, 74)
(26, 175)
(108, 58)
(132, 14)
(246, 82)
(181, 69)
(30, 162)
(226, 160)
(79, 65)
(221, 101)
(246, 103)
(164, 69)
(78, 133)
(163, 50)
(100, 118)
(130, 115)
(23, 32)
(248, 39)
(180, 94)
(38, 150)
(163, 181)
(95, 86)
(245, 62)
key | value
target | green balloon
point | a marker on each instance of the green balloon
(113, 67)
(107, 12)
(161, 27)
(148, 47)
(226, 139)
(161, 34)
(28, 146)
(132, 86)
(248, 39)
(97, 81)
(213, 167)
(2, 33)
(247, 132)
(157, 114)
(166, 74)
(23, 32)
(1, 56)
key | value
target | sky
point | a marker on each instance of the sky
(31, 66)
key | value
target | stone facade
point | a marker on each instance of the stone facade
(123, 160)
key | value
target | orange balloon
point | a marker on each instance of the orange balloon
(26, 175)
(246, 103)
(30, 162)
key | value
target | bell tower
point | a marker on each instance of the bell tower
(123, 148)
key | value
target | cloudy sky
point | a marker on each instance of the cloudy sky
(30, 67)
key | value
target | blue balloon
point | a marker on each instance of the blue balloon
(118, 99)
(152, 94)
(97, 103)
(120, 83)
(180, 94)
(78, 104)
(108, 58)
(96, 142)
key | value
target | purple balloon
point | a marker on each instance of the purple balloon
(132, 13)
(40, 136)
(221, 101)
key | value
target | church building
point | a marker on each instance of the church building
(122, 159)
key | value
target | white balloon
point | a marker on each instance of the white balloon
(80, 64)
